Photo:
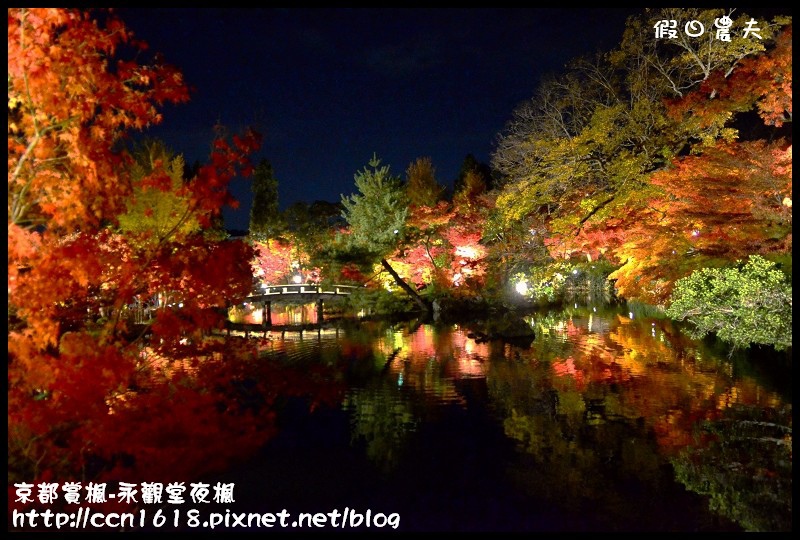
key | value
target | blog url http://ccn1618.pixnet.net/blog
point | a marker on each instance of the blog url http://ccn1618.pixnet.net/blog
(152, 505)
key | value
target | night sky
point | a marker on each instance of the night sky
(328, 88)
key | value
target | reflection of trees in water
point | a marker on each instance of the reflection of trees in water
(744, 464)
(431, 359)
(573, 453)
(596, 405)
(382, 418)
(640, 369)
(413, 368)
(596, 411)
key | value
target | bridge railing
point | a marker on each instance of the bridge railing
(305, 288)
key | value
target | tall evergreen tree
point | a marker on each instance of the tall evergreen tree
(377, 217)
(265, 217)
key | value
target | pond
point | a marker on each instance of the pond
(609, 421)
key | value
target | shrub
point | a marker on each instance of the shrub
(742, 305)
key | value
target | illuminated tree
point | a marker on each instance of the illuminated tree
(63, 114)
(274, 260)
(421, 185)
(714, 208)
(443, 249)
(735, 77)
(731, 199)
(377, 218)
(473, 173)
(159, 207)
(86, 390)
(591, 134)
(576, 156)
(427, 251)
(474, 185)
(750, 304)
(594, 155)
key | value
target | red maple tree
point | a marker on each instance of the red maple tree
(91, 394)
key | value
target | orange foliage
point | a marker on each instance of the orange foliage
(720, 206)
(727, 200)
(84, 401)
(764, 81)
(446, 249)
(69, 110)
(273, 260)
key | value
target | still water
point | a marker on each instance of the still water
(608, 421)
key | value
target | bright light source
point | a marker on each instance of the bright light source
(575, 272)
(297, 278)
(468, 252)
(630, 314)
(522, 287)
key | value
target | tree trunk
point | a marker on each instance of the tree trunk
(406, 287)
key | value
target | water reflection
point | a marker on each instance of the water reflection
(743, 462)
(382, 418)
(604, 410)
(430, 360)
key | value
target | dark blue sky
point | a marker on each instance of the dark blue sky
(329, 87)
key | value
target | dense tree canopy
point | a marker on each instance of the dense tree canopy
(159, 207)
(67, 110)
(421, 185)
(646, 156)
(377, 217)
(89, 247)
(750, 304)
(666, 160)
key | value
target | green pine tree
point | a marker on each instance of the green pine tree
(377, 217)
